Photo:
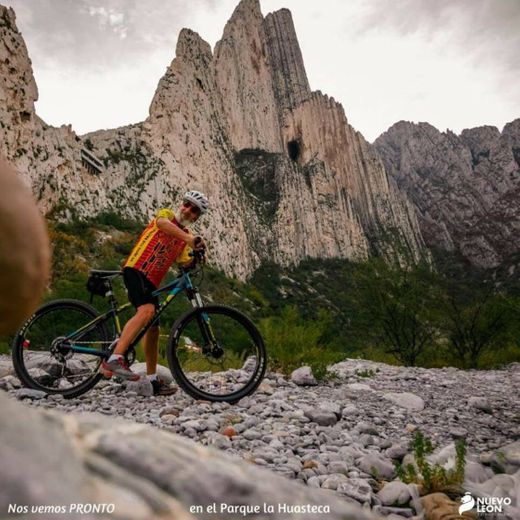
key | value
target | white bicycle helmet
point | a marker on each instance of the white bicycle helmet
(199, 199)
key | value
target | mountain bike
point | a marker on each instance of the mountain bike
(214, 352)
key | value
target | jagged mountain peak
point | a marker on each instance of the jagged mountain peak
(512, 128)
(245, 12)
(288, 177)
(404, 127)
(190, 45)
(246, 7)
(8, 17)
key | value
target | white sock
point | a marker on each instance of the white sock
(114, 356)
(151, 377)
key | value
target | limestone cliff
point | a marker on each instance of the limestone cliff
(466, 188)
(287, 176)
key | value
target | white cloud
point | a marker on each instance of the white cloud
(111, 18)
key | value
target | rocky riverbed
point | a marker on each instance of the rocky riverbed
(346, 434)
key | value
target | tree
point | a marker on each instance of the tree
(397, 307)
(476, 323)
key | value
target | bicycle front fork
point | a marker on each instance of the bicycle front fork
(210, 341)
(195, 298)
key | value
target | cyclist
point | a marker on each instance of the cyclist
(165, 240)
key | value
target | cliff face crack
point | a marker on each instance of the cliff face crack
(293, 148)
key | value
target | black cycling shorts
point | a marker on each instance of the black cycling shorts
(139, 288)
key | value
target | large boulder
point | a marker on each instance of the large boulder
(143, 471)
(163, 372)
(24, 251)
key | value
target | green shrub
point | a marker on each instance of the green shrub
(293, 342)
(509, 353)
(368, 373)
(114, 220)
(433, 478)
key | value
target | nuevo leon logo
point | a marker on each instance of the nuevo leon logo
(484, 505)
(468, 503)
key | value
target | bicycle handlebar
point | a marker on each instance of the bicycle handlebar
(198, 254)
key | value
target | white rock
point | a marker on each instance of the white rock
(141, 387)
(265, 388)
(29, 393)
(394, 493)
(348, 411)
(303, 376)
(377, 466)
(322, 417)
(480, 403)
(356, 488)
(406, 400)
(163, 373)
(360, 387)
(397, 451)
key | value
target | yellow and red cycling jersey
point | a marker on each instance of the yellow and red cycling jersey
(155, 251)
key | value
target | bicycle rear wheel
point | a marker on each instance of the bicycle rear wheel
(216, 353)
(42, 356)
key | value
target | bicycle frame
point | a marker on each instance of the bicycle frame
(180, 284)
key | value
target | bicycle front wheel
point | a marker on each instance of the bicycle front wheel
(43, 355)
(216, 353)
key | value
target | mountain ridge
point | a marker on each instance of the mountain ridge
(466, 188)
(291, 178)
(209, 111)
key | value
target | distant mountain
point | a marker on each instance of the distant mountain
(466, 188)
(287, 176)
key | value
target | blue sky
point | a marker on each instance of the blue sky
(453, 63)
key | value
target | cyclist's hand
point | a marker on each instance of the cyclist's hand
(203, 257)
(199, 257)
(197, 243)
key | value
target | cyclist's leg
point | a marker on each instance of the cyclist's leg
(132, 327)
(151, 349)
(140, 291)
(116, 364)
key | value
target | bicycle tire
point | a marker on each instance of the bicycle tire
(56, 306)
(181, 376)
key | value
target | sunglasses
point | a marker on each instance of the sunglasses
(193, 209)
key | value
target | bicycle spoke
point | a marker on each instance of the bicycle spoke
(225, 367)
(46, 356)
